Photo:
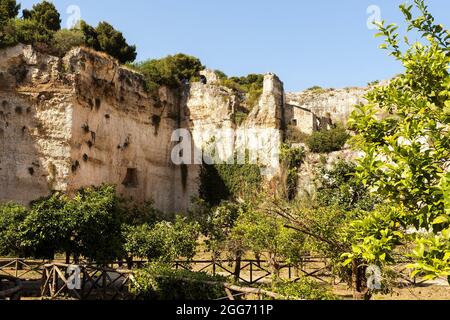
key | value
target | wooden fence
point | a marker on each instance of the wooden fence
(108, 284)
(21, 268)
(251, 272)
(98, 283)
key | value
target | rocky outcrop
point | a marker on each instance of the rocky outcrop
(82, 120)
(312, 109)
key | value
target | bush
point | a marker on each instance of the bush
(26, 32)
(170, 71)
(45, 14)
(164, 241)
(304, 289)
(252, 85)
(337, 186)
(64, 40)
(96, 216)
(46, 229)
(9, 9)
(227, 182)
(292, 159)
(11, 219)
(326, 141)
(294, 135)
(112, 42)
(160, 282)
(41, 27)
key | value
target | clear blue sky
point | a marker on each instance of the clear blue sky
(314, 42)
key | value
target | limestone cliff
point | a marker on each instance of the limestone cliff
(312, 109)
(82, 120)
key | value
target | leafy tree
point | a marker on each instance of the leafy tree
(327, 141)
(170, 71)
(217, 224)
(90, 35)
(27, 32)
(107, 39)
(45, 14)
(266, 235)
(64, 40)
(220, 182)
(337, 186)
(112, 42)
(292, 159)
(405, 138)
(9, 9)
(11, 219)
(163, 242)
(96, 216)
(87, 225)
(46, 229)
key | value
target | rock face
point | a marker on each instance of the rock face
(314, 109)
(82, 120)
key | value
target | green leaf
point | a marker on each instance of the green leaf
(441, 220)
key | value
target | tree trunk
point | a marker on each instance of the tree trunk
(237, 268)
(258, 259)
(129, 262)
(359, 281)
(274, 268)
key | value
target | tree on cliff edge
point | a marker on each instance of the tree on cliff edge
(45, 14)
(9, 9)
(107, 39)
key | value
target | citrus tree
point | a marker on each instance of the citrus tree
(404, 134)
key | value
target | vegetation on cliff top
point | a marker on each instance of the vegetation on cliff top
(41, 27)
(171, 71)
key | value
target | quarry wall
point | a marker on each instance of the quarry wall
(83, 120)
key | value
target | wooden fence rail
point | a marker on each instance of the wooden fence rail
(19, 268)
(98, 283)
(249, 271)
(255, 271)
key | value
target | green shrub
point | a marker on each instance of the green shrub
(113, 42)
(164, 241)
(160, 282)
(240, 117)
(64, 40)
(41, 27)
(294, 135)
(9, 9)
(26, 32)
(252, 85)
(326, 141)
(229, 181)
(338, 186)
(45, 14)
(170, 71)
(11, 219)
(292, 159)
(304, 289)
(220, 74)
